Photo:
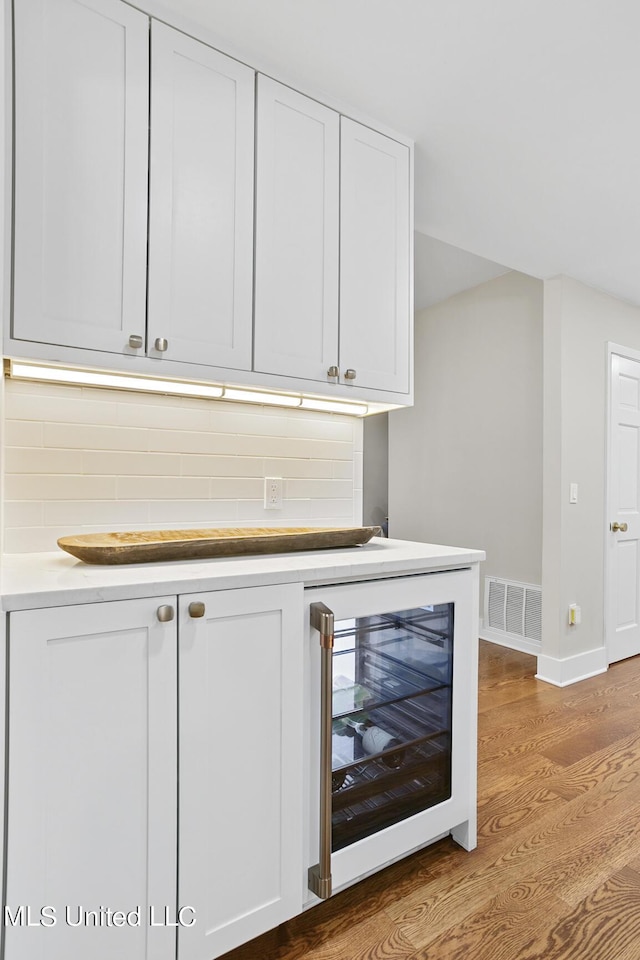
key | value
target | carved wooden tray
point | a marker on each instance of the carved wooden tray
(148, 546)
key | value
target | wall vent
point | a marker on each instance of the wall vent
(513, 609)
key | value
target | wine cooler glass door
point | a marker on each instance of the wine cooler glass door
(392, 662)
(391, 718)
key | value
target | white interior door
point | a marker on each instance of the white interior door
(623, 518)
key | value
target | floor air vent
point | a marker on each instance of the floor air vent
(512, 613)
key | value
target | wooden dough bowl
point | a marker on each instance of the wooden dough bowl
(148, 546)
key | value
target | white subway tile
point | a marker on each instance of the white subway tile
(319, 489)
(293, 511)
(289, 467)
(342, 469)
(43, 389)
(320, 427)
(247, 420)
(332, 508)
(164, 417)
(101, 512)
(42, 460)
(97, 437)
(31, 539)
(23, 433)
(358, 461)
(162, 488)
(23, 513)
(194, 465)
(185, 441)
(294, 447)
(358, 434)
(197, 513)
(58, 409)
(21, 486)
(126, 463)
(238, 488)
(357, 508)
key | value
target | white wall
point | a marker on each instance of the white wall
(465, 463)
(80, 460)
(375, 474)
(578, 323)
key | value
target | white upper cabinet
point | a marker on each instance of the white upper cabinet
(201, 203)
(375, 245)
(81, 92)
(297, 209)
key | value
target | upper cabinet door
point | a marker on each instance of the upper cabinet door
(201, 203)
(375, 274)
(81, 90)
(297, 210)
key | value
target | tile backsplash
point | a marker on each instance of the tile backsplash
(84, 460)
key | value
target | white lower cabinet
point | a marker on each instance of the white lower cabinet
(240, 849)
(98, 863)
(170, 791)
(92, 774)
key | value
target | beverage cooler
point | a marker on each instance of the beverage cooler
(392, 671)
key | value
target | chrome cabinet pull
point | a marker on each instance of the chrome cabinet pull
(196, 609)
(135, 342)
(161, 344)
(350, 374)
(319, 877)
(166, 613)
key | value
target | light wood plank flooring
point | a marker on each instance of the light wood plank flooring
(556, 875)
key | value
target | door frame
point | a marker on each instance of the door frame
(627, 353)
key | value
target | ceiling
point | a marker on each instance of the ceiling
(525, 114)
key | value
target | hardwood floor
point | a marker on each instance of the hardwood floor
(556, 874)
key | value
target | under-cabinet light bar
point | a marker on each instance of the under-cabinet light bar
(76, 376)
(334, 406)
(254, 396)
(119, 381)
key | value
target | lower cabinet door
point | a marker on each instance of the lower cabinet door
(240, 769)
(91, 841)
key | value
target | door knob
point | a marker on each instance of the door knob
(196, 609)
(161, 344)
(350, 374)
(135, 342)
(165, 613)
(333, 372)
(622, 527)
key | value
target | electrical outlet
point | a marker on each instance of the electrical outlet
(273, 493)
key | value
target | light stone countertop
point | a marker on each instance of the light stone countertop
(29, 581)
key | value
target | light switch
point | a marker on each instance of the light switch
(573, 493)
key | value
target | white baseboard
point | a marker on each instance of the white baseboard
(561, 673)
(510, 640)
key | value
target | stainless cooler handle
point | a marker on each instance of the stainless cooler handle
(320, 875)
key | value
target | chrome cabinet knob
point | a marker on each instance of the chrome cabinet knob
(166, 613)
(333, 372)
(135, 342)
(622, 527)
(349, 374)
(196, 609)
(161, 344)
